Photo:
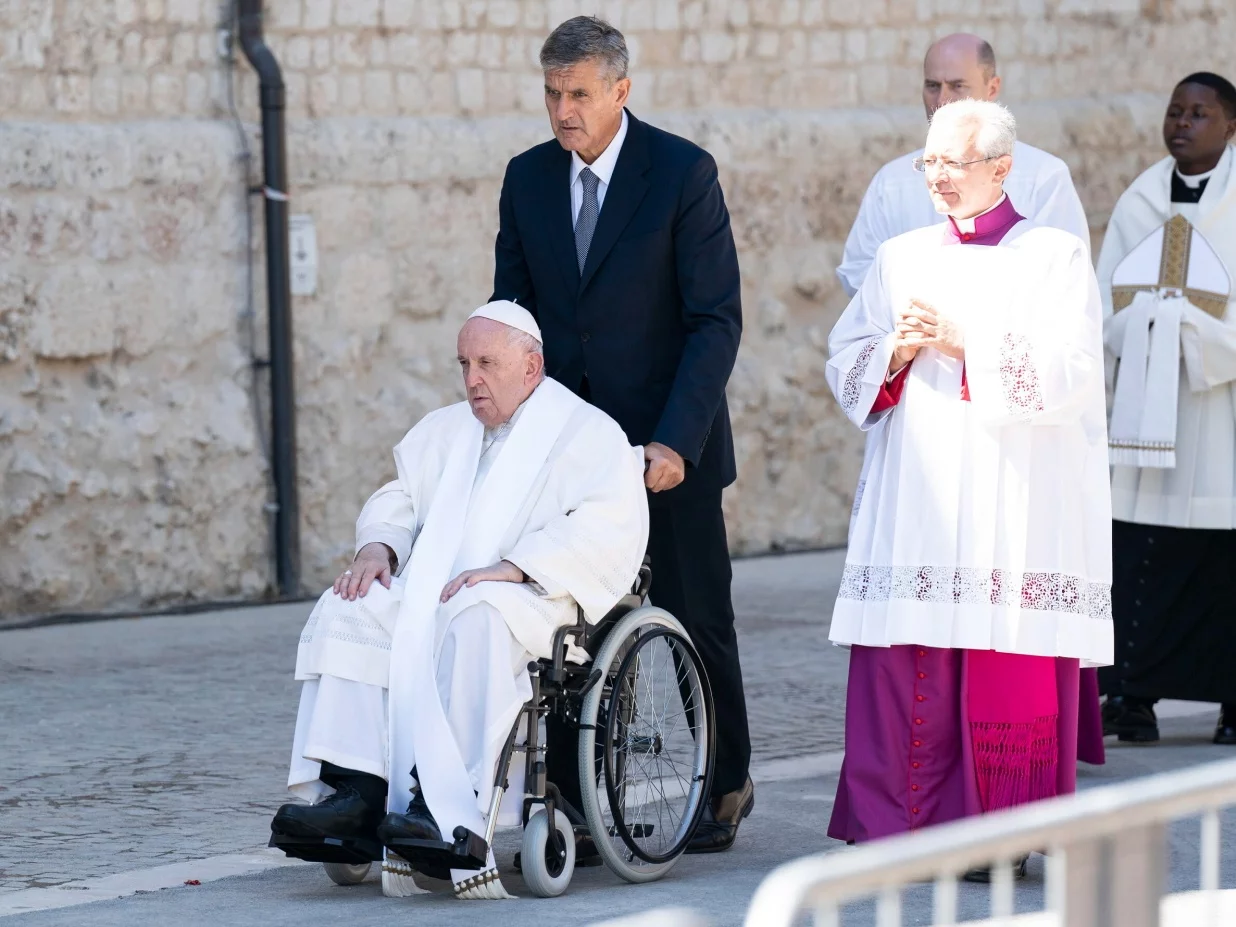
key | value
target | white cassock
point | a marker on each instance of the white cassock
(1195, 487)
(559, 493)
(986, 524)
(897, 202)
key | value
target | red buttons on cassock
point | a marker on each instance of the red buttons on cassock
(916, 765)
(922, 675)
(922, 653)
(918, 720)
(914, 788)
(918, 743)
(914, 811)
(919, 698)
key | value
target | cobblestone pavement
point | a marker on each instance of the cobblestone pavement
(138, 742)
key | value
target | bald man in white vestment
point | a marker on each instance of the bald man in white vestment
(957, 67)
(509, 512)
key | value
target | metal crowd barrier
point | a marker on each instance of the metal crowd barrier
(1106, 865)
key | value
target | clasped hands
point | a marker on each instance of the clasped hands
(373, 562)
(920, 325)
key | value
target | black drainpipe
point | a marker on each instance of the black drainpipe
(279, 302)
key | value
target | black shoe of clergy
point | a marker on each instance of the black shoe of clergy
(416, 824)
(983, 874)
(719, 825)
(1225, 732)
(352, 812)
(1137, 723)
(1113, 708)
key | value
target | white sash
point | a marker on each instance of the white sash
(1143, 428)
(448, 544)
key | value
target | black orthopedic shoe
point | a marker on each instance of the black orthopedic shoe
(416, 823)
(1133, 721)
(719, 825)
(352, 812)
(1225, 731)
(983, 873)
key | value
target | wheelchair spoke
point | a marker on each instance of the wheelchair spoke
(655, 746)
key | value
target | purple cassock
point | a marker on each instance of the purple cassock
(935, 734)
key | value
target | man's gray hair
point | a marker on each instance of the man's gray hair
(586, 38)
(521, 339)
(996, 129)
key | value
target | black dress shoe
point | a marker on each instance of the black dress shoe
(983, 873)
(1225, 731)
(1136, 723)
(347, 814)
(719, 825)
(415, 824)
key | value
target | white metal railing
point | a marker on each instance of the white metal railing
(1106, 867)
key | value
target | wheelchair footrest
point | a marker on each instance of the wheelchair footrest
(468, 851)
(350, 851)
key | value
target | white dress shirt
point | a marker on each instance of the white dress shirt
(603, 167)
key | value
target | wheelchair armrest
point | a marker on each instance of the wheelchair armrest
(643, 579)
(579, 630)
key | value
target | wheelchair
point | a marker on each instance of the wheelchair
(644, 712)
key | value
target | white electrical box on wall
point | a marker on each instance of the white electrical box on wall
(303, 249)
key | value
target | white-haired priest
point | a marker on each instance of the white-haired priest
(508, 511)
(978, 576)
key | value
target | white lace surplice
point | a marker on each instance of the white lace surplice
(983, 524)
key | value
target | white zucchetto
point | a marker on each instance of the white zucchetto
(508, 313)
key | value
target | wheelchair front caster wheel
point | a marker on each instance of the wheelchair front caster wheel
(548, 864)
(347, 873)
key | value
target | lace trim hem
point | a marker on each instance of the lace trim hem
(1056, 592)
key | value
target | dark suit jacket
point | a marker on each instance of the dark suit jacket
(655, 319)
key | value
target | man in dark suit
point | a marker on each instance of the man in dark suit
(617, 238)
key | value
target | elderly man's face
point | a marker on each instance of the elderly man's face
(585, 108)
(962, 184)
(498, 375)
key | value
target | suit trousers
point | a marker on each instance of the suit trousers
(691, 578)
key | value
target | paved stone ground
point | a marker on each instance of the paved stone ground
(134, 743)
(129, 744)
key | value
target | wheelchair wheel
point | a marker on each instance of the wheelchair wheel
(347, 873)
(646, 745)
(548, 864)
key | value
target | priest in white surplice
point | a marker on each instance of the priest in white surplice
(1169, 256)
(958, 67)
(509, 511)
(979, 568)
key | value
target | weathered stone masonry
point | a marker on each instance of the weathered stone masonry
(131, 471)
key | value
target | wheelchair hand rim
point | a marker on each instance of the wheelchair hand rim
(705, 692)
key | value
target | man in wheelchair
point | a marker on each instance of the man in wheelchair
(511, 512)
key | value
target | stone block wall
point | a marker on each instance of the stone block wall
(132, 473)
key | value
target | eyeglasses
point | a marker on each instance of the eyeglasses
(922, 165)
